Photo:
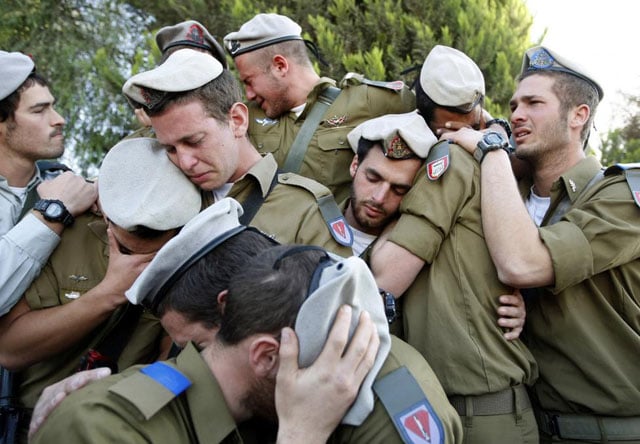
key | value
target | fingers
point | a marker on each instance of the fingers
(363, 348)
(288, 353)
(338, 336)
(512, 314)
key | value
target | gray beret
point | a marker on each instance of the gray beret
(262, 30)
(540, 58)
(215, 224)
(451, 78)
(184, 70)
(15, 67)
(190, 33)
(401, 135)
(138, 185)
(346, 281)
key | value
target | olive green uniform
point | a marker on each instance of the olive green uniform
(290, 212)
(328, 155)
(131, 407)
(76, 266)
(450, 309)
(584, 331)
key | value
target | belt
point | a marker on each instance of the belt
(512, 400)
(589, 427)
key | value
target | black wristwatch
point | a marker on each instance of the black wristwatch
(54, 211)
(491, 141)
(390, 310)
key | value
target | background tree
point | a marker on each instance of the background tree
(623, 144)
(88, 48)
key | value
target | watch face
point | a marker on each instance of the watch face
(493, 139)
(54, 210)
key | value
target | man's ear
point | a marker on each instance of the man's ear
(222, 299)
(579, 116)
(279, 65)
(263, 355)
(239, 119)
(354, 166)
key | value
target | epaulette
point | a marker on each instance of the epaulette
(152, 388)
(333, 217)
(437, 162)
(352, 78)
(406, 404)
(632, 174)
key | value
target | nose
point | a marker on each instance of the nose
(57, 119)
(380, 192)
(249, 92)
(517, 115)
(184, 159)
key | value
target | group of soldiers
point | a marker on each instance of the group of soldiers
(328, 262)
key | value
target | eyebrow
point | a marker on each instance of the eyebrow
(43, 104)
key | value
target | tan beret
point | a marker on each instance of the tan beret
(345, 281)
(262, 30)
(401, 135)
(200, 235)
(540, 58)
(15, 67)
(184, 70)
(450, 78)
(139, 186)
(190, 33)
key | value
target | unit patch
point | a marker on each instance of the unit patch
(341, 231)
(420, 425)
(438, 160)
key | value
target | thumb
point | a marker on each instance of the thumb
(288, 352)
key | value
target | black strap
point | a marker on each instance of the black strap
(252, 204)
(108, 347)
(45, 166)
(9, 410)
(299, 147)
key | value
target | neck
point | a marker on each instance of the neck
(17, 171)
(305, 79)
(546, 171)
(226, 366)
(248, 156)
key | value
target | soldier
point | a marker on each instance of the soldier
(577, 237)
(436, 257)
(195, 109)
(31, 129)
(244, 354)
(299, 117)
(77, 302)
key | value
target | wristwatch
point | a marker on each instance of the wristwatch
(491, 141)
(54, 211)
(390, 309)
(502, 122)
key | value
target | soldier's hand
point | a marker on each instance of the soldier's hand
(467, 138)
(53, 395)
(512, 312)
(333, 379)
(122, 271)
(74, 191)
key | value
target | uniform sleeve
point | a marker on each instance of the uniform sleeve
(431, 208)
(593, 237)
(385, 101)
(23, 251)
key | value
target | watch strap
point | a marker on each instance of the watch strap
(66, 218)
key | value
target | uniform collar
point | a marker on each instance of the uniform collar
(263, 173)
(320, 86)
(212, 420)
(576, 179)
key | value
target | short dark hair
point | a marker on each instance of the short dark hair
(217, 97)
(364, 146)
(9, 104)
(571, 91)
(267, 293)
(294, 50)
(195, 293)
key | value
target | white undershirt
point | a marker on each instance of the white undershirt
(537, 206)
(361, 241)
(298, 110)
(221, 193)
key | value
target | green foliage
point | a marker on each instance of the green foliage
(89, 47)
(622, 145)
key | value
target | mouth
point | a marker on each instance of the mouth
(520, 134)
(373, 211)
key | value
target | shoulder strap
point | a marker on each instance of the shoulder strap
(437, 161)
(252, 204)
(333, 217)
(405, 402)
(632, 174)
(564, 205)
(298, 149)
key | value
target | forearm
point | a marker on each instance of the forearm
(521, 258)
(394, 267)
(36, 335)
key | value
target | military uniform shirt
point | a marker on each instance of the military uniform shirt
(450, 309)
(584, 331)
(290, 213)
(378, 427)
(328, 155)
(132, 408)
(76, 266)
